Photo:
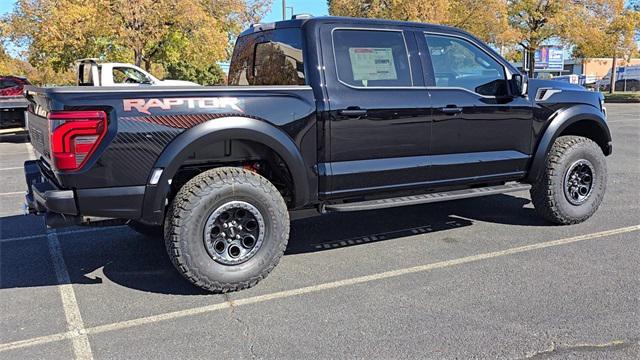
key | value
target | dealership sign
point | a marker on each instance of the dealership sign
(549, 58)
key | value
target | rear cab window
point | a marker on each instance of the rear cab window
(272, 57)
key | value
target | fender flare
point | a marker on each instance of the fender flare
(560, 121)
(221, 129)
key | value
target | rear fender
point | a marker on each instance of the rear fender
(218, 130)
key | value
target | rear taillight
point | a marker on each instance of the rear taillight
(75, 135)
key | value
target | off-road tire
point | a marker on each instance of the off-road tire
(548, 194)
(150, 231)
(196, 201)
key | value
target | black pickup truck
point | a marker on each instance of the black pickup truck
(323, 115)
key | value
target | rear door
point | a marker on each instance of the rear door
(378, 118)
(479, 130)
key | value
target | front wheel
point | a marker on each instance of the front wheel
(226, 229)
(573, 183)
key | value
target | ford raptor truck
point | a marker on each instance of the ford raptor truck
(321, 114)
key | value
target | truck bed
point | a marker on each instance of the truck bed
(143, 120)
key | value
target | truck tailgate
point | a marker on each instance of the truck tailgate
(39, 133)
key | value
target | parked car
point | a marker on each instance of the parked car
(323, 115)
(624, 85)
(90, 72)
(627, 79)
(12, 104)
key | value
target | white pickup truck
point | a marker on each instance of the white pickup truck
(90, 72)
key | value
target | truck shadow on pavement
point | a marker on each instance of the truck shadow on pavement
(138, 262)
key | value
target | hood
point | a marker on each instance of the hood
(555, 84)
(553, 93)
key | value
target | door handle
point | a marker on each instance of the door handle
(451, 110)
(353, 112)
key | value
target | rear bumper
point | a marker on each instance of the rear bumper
(64, 207)
(43, 195)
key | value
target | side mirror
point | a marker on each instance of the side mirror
(519, 84)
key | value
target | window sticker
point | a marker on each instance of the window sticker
(372, 64)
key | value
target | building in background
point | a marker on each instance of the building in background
(598, 67)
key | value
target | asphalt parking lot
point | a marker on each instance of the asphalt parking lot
(478, 278)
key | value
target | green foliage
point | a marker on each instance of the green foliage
(209, 75)
(149, 33)
(622, 97)
(487, 19)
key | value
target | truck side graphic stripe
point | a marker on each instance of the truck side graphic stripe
(145, 105)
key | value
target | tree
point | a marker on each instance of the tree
(155, 34)
(537, 21)
(57, 32)
(158, 29)
(485, 19)
(237, 15)
(607, 28)
(212, 75)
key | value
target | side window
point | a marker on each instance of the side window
(371, 58)
(124, 75)
(459, 63)
(272, 57)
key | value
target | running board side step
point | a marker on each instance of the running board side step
(426, 198)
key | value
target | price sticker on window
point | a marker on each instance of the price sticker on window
(372, 64)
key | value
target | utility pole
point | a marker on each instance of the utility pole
(284, 9)
(612, 79)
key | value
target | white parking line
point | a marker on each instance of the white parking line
(70, 232)
(12, 168)
(320, 287)
(32, 155)
(12, 193)
(81, 346)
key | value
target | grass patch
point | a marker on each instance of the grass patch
(622, 97)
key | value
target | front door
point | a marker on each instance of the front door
(378, 119)
(479, 131)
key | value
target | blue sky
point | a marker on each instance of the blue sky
(313, 7)
(6, 6)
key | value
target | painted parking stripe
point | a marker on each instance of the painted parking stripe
(12, 193)
(326, 286)
(62, 233)
(13, 168)
(75, 325)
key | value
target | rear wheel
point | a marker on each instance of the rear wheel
(574, 181)
(226, 229)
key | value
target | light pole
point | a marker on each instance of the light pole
(284, 9)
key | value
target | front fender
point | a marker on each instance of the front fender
(222, 129)
(560, 121)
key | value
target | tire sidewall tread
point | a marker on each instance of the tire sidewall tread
(189, 211)
(547, 193)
